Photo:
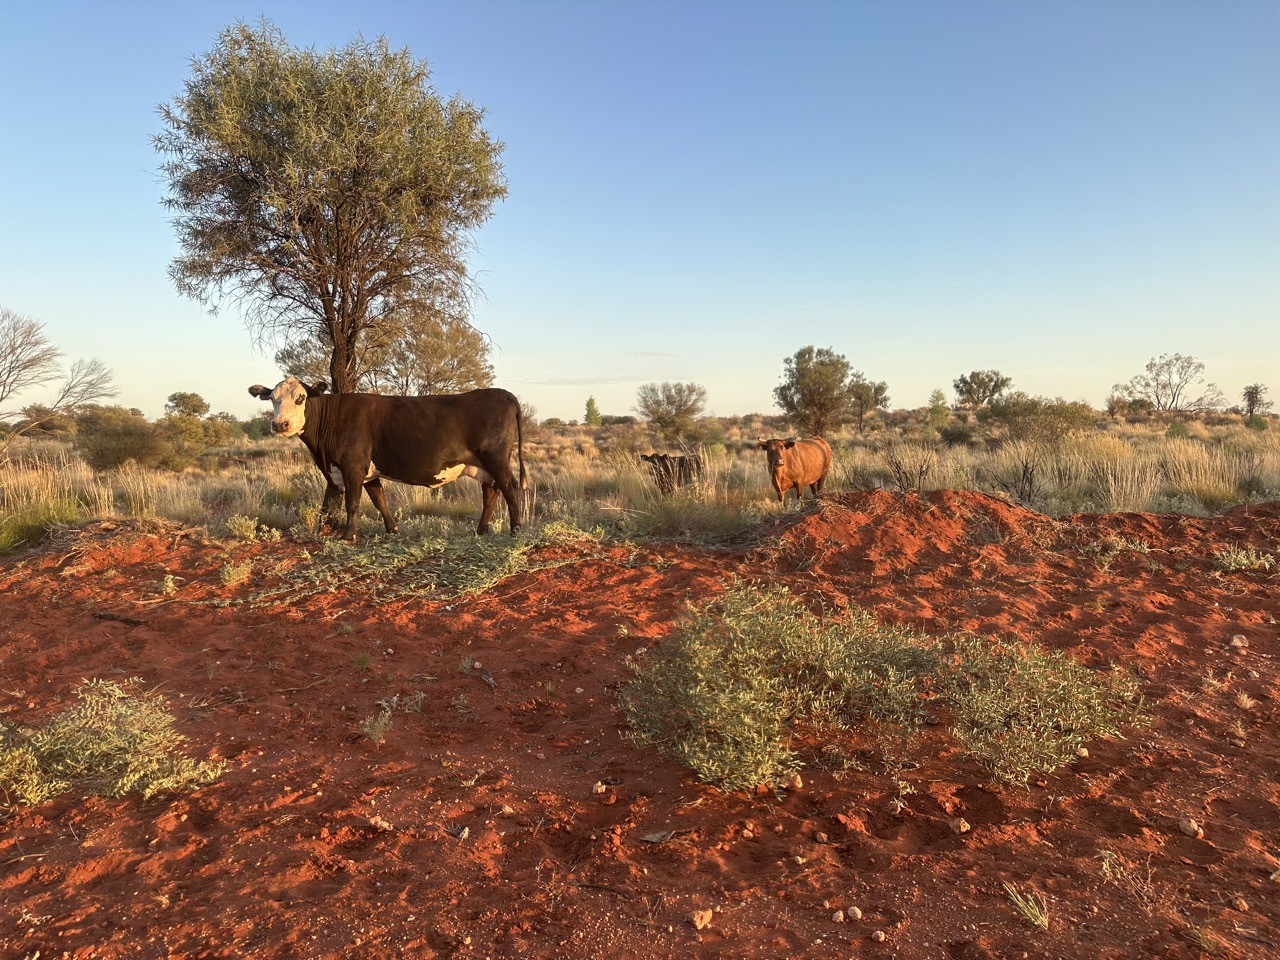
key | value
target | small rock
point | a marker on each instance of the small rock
(799, 860)
(1240, 904)
(792, 781)
(878, 936)
(1191, 828)
(1240, 641)
(838, 917)
(853, 913)
(820, 837)
(960, 825)
(599, 788)
(507, 810)
(1082, 752)
(701, 919)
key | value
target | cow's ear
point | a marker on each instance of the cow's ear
(760, 445)
(318, 389)
(789, 444)
(259, 391)
(647, 457)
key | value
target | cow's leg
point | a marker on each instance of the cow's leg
(353, 484)
(379, 498)
(488, 497)
(511, 493)
(501, 480)
(331, 502)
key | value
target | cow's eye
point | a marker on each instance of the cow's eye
(300, 399)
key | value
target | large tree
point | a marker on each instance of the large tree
(1173, 382)
(820, 391)
(332, 194)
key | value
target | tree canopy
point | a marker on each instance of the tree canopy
(1172, 382)
(672, 409)
(979, 387)
(820, 391)
(332, 194)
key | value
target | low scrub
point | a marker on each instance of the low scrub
(114, 740)
(728, 692)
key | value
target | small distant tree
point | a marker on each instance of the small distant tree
(979, 388)
(939, 413)
(430, 354)
(820, 391)
(1255, 399)
(29, 360)
(592, 416)
(867, 396)
(672, 409)
(186, 405)
(1173, 382)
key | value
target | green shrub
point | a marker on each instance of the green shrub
(1236, 558)
(726, 693)
(112, 741)
(1022, 710)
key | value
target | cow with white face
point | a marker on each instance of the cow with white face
(356, 439)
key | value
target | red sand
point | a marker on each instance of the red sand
(515, 819)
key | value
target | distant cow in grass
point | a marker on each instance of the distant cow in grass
(797, 463)
(356, 439)
(671, 472)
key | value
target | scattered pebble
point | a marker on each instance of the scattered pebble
(960, 825)
(792, 781)
(1192, 829)
(838, 917)
(1240, 641)
(599, 788)
(878, 936)
(1082, 752)
(820, 837)
(1240, 904)
(701, 919)
(853, 913)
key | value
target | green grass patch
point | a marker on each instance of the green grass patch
(114, 740)
(28, 526)
(729, 691)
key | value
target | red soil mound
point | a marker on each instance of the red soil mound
(512, 818)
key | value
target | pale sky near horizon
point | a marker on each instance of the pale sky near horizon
(1058, 190)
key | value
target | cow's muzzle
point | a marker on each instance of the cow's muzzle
(279, 426)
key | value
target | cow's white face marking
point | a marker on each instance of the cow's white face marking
(288, 401)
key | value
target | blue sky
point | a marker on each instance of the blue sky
(1059, 190)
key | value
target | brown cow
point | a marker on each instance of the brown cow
(358, 438)
(797, 463)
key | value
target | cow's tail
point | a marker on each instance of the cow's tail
(520, 443)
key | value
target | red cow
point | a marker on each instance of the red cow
(797, 463)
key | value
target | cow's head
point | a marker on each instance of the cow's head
(773, 450)
(288, 400)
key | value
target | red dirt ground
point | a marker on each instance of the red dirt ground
(515, 819)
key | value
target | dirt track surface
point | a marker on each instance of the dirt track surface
(512, 818)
